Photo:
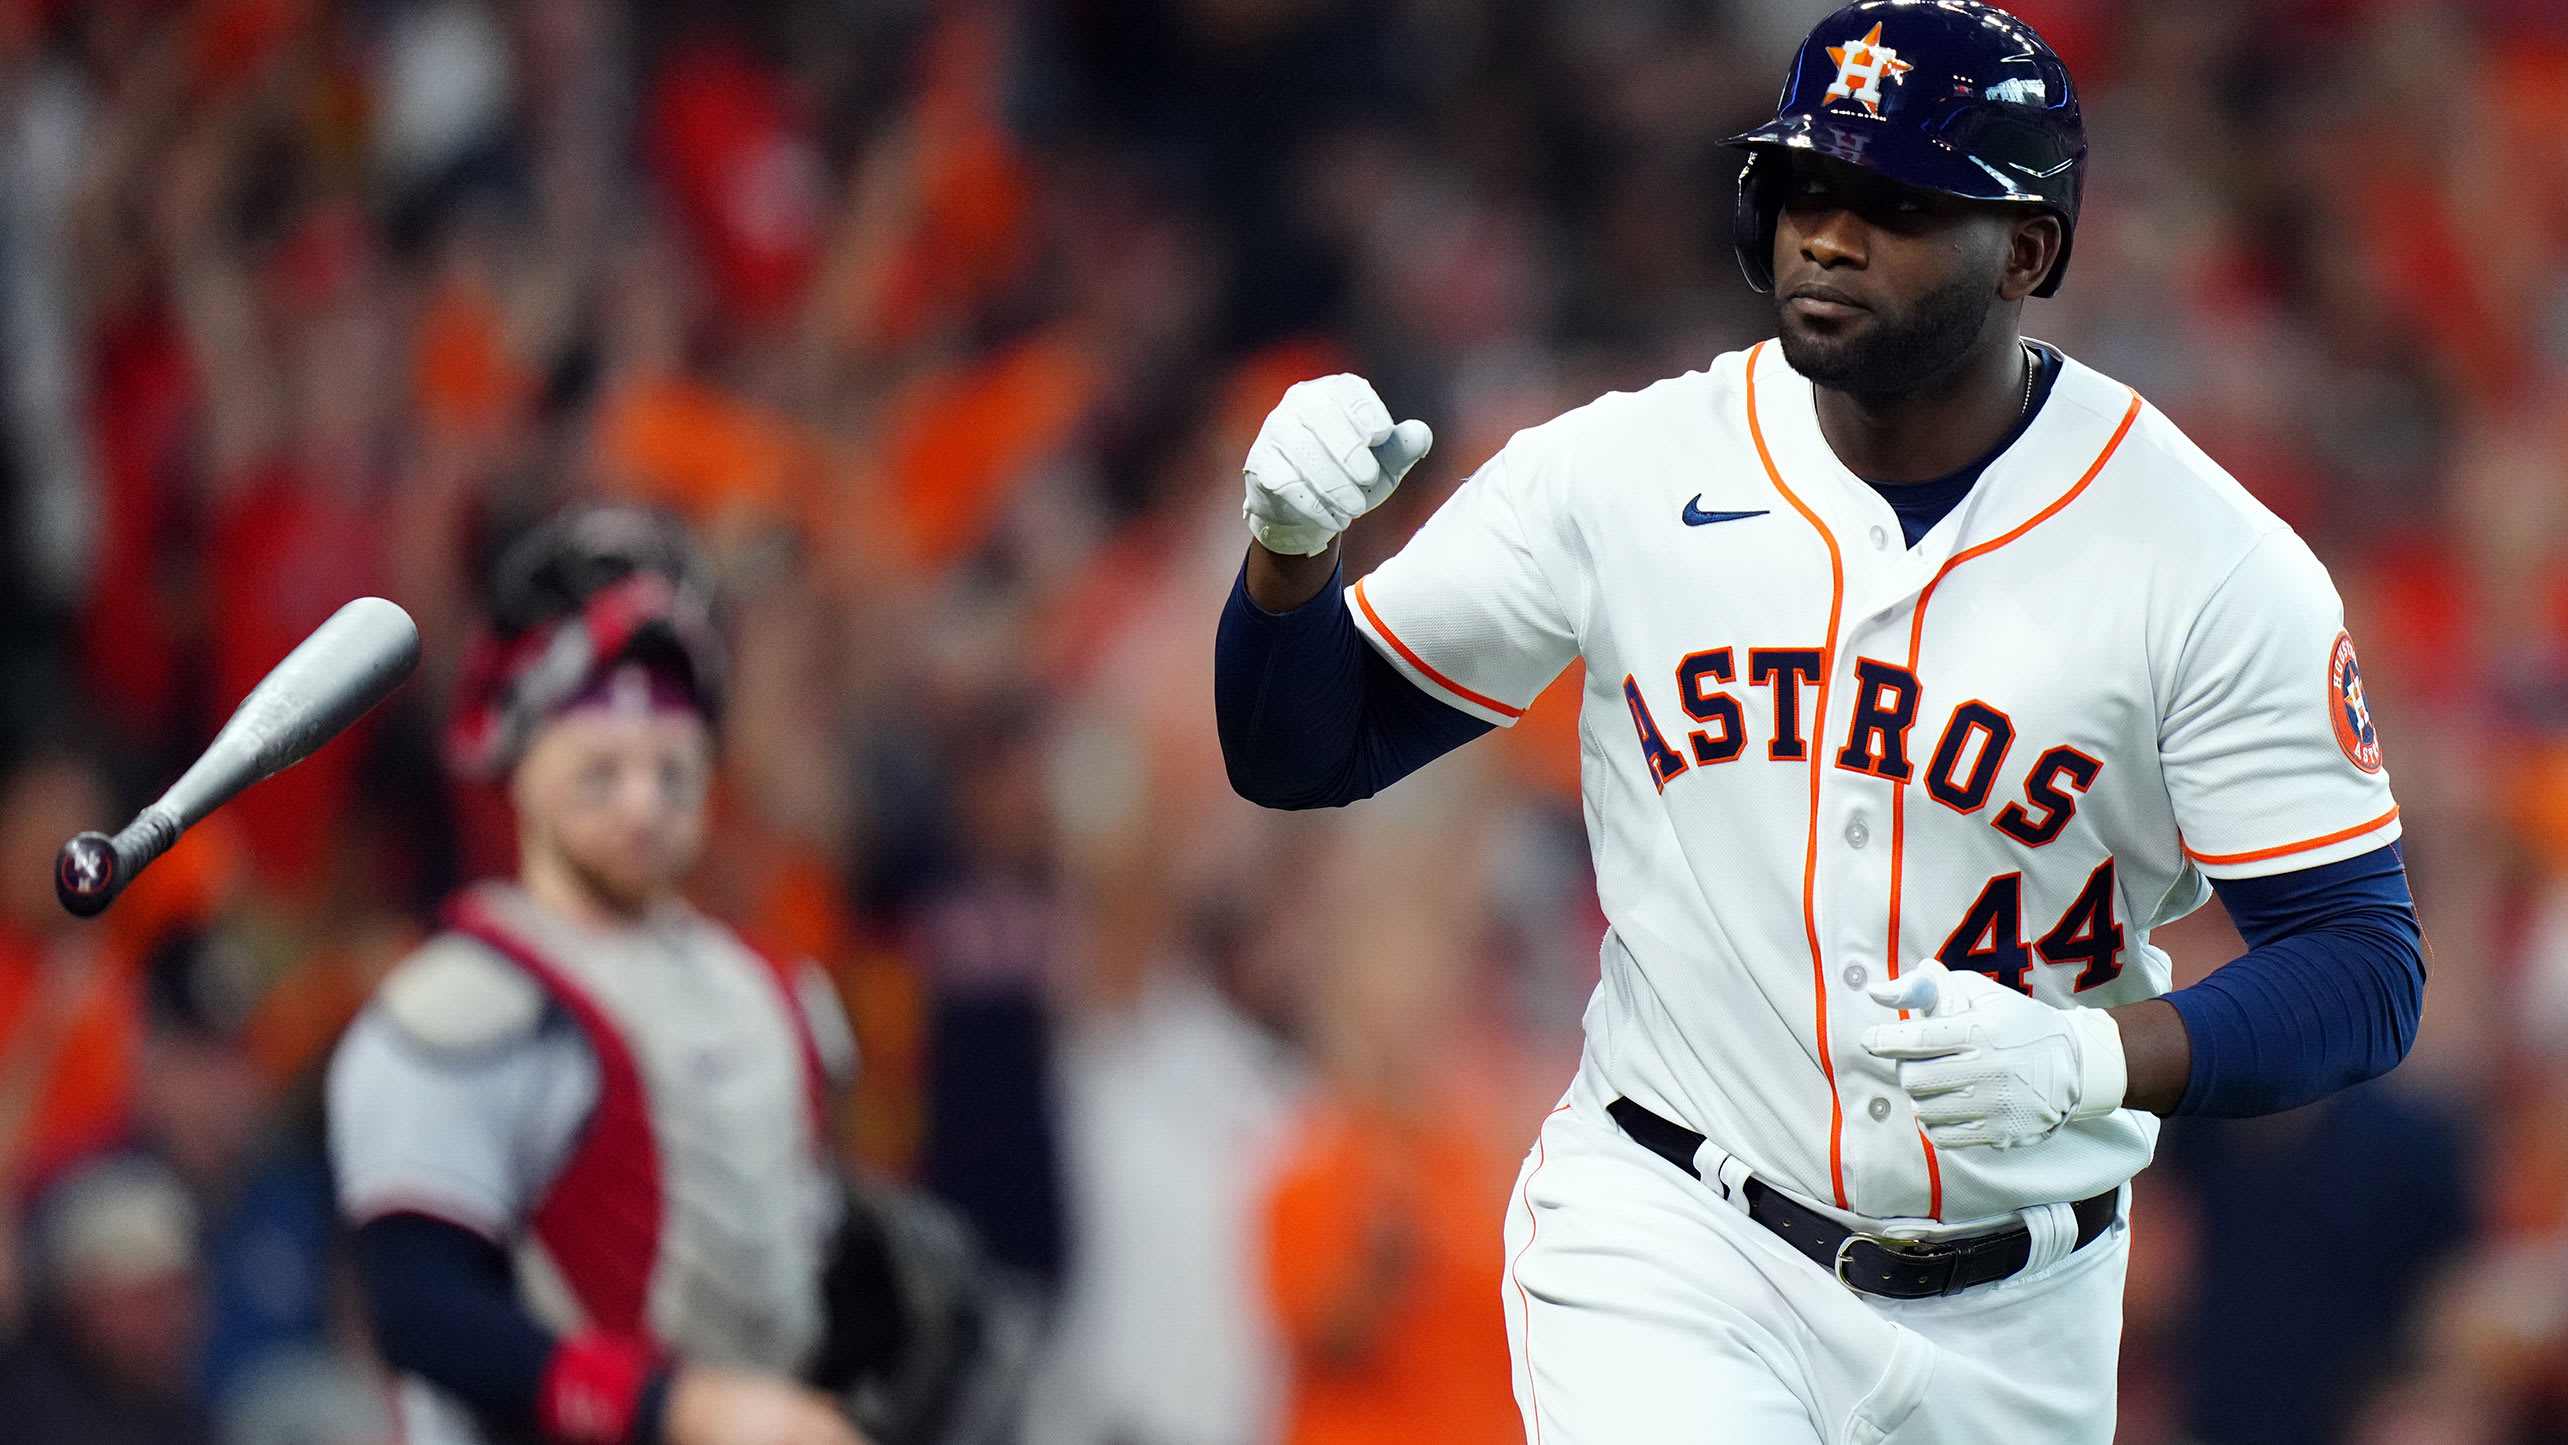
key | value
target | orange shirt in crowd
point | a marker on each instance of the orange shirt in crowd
(71, 1007)
(68, 1030)
(1383, 1256)
(963, 437)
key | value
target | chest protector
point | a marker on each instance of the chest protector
(695, 1204)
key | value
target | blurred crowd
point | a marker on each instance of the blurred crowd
(946, 322)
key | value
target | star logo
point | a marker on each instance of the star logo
(1861, 68)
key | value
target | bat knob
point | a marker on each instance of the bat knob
(87, 874)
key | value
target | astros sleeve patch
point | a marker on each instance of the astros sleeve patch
(2347, 711)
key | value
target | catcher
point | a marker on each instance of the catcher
(582, 1134)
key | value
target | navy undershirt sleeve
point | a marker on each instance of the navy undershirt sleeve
(2328, 993)
(1310, 715)
(445, 1308)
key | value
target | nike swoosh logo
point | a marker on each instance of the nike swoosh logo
(1695, 516)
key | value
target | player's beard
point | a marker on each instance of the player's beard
(1896, 354)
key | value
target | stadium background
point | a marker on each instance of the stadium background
(947, 322)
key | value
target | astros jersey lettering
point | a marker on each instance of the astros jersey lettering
(1813, 756)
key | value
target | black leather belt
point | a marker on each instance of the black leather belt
(1891, 1268)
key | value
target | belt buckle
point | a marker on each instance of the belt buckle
(1914, 1249)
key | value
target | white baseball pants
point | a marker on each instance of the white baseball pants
(1643, 1309)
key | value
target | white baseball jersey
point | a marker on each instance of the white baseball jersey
(1812, 755)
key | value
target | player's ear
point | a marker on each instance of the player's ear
(2033, 247)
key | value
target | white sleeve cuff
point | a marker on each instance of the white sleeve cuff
(2103, 1073)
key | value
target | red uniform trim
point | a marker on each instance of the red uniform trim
(1818, 754)
(1899, 796)
(1420, 663)
(600, 1219)
(2303, 846)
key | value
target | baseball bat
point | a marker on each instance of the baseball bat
(328, 681)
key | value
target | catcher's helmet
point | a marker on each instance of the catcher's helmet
(592, 588)
(1952, 95)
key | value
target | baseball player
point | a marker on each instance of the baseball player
(1927, 671)
(581, 1132)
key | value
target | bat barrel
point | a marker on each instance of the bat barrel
(328, 681)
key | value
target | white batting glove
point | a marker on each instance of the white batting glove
(1987, 1065)
(1327, 455)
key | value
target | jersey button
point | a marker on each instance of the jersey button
(1856, 976)
(1880, 539)
(1857, 835)
(1879, 1108)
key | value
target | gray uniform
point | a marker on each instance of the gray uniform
(463, 1091)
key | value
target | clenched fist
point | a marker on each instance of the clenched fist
(1327, 455)
(1987, 1065)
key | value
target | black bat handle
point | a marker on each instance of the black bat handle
(93, 868)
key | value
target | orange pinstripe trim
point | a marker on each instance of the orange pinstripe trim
(1898, 861)
(2303, 846)
(1818, 756)
(1420, 663)
(1916, 643)
(1533, 1226)
(2112, 444)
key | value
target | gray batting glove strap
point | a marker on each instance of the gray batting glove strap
(1328, 454)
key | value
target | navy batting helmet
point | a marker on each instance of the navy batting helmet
(1951, 95)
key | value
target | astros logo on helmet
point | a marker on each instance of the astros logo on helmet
(1866, 60)
(1999, 122)
(2347, 710)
